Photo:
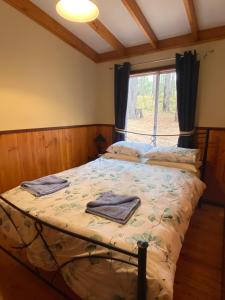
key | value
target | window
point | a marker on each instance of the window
(152, 107)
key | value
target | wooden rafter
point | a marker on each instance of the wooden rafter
(205, 36)
(190, 10)
(141, 20)
(39, 16)
(107, 35)
(36, 14)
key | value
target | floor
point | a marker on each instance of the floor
(199, 270)
(198, 274)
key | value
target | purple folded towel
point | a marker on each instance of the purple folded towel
(45, 185)
(117, 208)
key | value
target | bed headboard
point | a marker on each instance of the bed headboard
(201, 141)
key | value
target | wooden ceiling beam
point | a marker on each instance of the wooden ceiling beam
(107, 35)
(192, 18)
(141, 20)
(39, 16)
(207, 35)
(36, 14)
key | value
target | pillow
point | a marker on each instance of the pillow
(183, 166)
(174, 154)
(122, 157)
(129, 148)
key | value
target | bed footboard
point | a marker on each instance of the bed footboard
(140, 256)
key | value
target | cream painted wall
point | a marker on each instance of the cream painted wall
(211, 92)
(43, 81)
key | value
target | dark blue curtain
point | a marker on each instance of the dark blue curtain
(121, 85)
(187, 69)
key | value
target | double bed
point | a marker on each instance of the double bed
(98, 258)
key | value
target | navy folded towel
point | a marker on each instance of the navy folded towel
(45, 185)
(117, 208)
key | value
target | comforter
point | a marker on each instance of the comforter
(168, 199)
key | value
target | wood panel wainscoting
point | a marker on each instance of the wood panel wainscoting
(33, 153)
(215, 168)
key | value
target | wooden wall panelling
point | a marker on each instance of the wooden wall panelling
(30, 154)
(107, 132)
(37, 147)
(9, 161)
(31, 165)
(52, 151)
(92, 133)
(215, 166)
(81, 142)
(215, 172)
(65, 148)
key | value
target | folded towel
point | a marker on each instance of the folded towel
(117, 208)
(45, 185)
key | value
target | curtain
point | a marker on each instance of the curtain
(121, 85)
(187, 70)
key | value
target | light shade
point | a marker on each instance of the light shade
(77, 10)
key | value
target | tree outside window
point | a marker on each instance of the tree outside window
(152, 107)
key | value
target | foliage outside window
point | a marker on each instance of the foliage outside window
(152, 107)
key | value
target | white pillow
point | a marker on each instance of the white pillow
(129, 148)
(174, 154)
(183, 166)
(122, 157)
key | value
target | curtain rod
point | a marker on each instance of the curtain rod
(204, 55)
(149, 61)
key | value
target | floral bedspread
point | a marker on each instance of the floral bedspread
(168, 199)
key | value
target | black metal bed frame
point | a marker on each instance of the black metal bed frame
(140, 256)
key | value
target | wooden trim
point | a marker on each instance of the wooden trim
(210, 128)
(156, 69)
(211, 202)
(223, 262)
(190, 11)
(39, 16)
(141, 20)
(212, 34)
(99, 125)
(171, 43)
(207, 35)
(36, 14)
(53, 128)
(107, 35)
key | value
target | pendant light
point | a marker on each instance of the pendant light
(81, 11)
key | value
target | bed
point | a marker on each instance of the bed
(97, 258)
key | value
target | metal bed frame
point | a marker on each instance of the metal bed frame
(139, 256)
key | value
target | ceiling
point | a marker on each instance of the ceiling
(130, 27)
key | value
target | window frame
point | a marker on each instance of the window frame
(161, 70)
(157, 71)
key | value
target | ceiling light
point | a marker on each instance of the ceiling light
(77, 10)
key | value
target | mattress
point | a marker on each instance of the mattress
(168, 199)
